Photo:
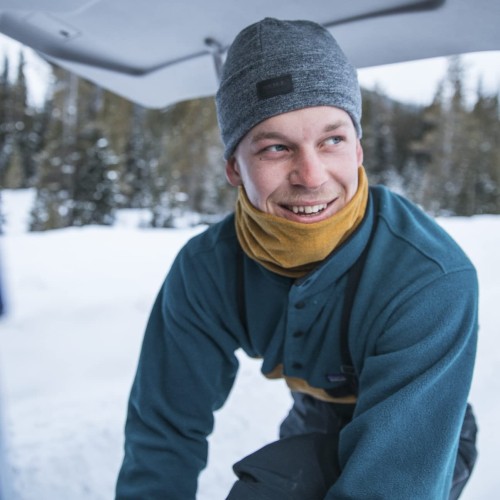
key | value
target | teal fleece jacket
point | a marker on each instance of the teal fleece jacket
(412, 337)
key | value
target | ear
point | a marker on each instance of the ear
(233, 172)
(359, 153)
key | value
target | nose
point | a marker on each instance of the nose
(308, 170)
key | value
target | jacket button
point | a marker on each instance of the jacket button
(297, 365)
(300, 305)
(298, 334)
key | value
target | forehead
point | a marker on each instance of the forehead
(302, 121)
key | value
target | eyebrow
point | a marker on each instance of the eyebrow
(335, 125)
(259, 136)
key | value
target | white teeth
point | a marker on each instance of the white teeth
(314, 209)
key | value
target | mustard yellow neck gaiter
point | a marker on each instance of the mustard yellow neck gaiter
(292, 248)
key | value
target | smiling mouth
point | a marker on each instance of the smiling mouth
(308, 209)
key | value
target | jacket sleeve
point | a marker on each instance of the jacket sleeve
(414, 384)
(186, 369)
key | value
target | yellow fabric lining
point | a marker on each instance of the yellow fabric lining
(300, 385)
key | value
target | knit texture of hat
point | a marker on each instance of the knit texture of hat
(276, 66)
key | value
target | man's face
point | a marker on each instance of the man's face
(301, 165)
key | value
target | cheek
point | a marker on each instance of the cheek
(353, 187)
(259, 186)
(257, 190)
(349, 181)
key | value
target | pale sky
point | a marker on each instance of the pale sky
(417, 81)
(414, 82)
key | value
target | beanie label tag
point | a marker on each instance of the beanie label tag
(274, 86)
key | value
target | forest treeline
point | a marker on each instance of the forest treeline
(88, 152)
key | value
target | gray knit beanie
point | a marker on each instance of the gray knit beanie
(276, 66)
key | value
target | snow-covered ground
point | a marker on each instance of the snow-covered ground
(78, 300)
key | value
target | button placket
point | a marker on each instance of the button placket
(296, 330)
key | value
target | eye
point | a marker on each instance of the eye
(336, 139)
(275, 148)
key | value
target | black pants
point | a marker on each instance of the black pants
(303, 464)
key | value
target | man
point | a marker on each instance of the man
(359, 300)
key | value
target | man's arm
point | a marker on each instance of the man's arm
(184, 374)
(402, 441)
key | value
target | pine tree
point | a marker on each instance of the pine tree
(484, 140)
(378, 140)
(28, 138)
(461, 184)
(17, 162)
(76, 184)
(140, 156)
(54, 188)
(6, 129)
(94, 188)
(446, 171)
(190, 175)
(389, 128)
(17, 139)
